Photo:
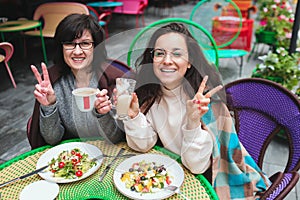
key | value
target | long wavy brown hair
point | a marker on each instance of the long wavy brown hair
(148, 87)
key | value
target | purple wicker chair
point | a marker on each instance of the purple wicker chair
(262, 108)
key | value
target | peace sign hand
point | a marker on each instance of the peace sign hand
(198, 106)
(43, 92)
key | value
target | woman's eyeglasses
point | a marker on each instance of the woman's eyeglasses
(159, 55)
(82, 45)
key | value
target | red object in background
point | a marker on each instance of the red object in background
(133, 7)
(225, 28)
(244, 6)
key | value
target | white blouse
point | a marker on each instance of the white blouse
(167, 120)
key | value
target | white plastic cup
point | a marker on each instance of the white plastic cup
(85, 98)
(125, 87)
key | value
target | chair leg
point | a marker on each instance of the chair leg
(137, 21)
(143, 20)
(106, 31)
(43, 46)
(11, 76)
(252, 51)
(241, 65)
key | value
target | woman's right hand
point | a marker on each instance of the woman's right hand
(134, 108)
(43, 92)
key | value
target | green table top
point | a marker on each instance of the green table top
(19, 25)
(194, 187)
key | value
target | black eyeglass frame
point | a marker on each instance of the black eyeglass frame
(79, 44)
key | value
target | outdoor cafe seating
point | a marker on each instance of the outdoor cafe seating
(268, 110)
(103, 18)
(262, 111)
(52, 13)
(89, 186)
(132, 7)
(225, 22)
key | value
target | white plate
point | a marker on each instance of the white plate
(40, 190)
(173, 168)
(89, 149)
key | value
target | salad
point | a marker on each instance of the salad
(146, 177)
(71, 164)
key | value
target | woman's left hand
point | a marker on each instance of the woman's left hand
(134, 108)
(198, 106)
(102, 104)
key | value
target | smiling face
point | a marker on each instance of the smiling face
(171, 68)
(78, 59)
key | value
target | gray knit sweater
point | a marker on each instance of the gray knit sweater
(63, 119)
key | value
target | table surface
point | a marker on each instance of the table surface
(18, 25)
(194, 187)
(103, 4)
(23, 25)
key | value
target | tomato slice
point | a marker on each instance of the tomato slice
(79, 155)
(168, 180)
(79, 173)
(61, 164)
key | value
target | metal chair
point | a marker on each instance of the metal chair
(103, 18)
(140, 41)
(224, 20)
(8, 50)
(132, 7)
(52, 13)
(261, 109)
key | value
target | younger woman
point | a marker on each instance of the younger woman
(173, 106)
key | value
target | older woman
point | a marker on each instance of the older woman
(80, 61)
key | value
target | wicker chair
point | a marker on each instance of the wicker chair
(262, 109)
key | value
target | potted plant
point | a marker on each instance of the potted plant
(279, 67)
(276, 18)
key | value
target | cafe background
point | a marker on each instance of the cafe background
(16, 104)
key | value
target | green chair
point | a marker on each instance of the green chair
(223, 19)
(140, 40)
